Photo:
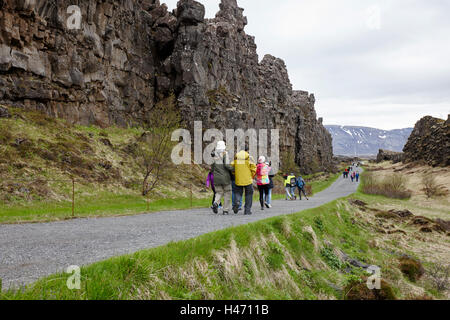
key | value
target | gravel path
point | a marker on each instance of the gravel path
(31, 251)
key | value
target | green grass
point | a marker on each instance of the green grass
(102, 204)
(208, 267)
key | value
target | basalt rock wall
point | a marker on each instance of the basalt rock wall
(127, 55)
(429, 142)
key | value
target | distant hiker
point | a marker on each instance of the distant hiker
(271, 186)
(293, 184)
(262, 180)
(357, 177)
(222, 170)
(353, 175)
(245, 170)
(301, 184)
(210, 184)
(344, 174)
(287, 186)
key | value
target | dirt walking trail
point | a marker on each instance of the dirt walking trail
(31, 251)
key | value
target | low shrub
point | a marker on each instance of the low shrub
(440, 275)
(331, 259)
(393, 186)
(358, 290)
(411, 268)
(431, 187)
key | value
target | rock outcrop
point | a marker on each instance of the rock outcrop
(429, 142)
(387, 155)
(128, 55)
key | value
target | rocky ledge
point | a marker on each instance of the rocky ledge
(429, 142)
(387, 155)
(128, 55)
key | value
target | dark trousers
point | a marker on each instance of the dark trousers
(263, 193)
(300, 191)
(248, 197)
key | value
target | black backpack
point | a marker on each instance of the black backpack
(293, 182)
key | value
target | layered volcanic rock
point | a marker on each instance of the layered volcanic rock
(429, 142)
(128, 55)
(387, 155)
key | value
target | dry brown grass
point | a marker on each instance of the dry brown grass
(391, 186)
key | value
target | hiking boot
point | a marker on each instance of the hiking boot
(267, 205)
(235, 210)
(262, 208)
(225, 213)
(215, 208)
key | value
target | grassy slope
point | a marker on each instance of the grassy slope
(270, 259)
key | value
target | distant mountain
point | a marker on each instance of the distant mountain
(363, 141)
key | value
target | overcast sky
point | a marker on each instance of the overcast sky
(376, 63)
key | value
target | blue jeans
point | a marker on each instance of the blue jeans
(269, 197)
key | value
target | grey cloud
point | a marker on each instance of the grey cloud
(329, 50)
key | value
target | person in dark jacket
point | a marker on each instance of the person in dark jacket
(301, 184)
(222, 171)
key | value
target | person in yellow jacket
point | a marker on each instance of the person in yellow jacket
(289, 186)
(245, 171)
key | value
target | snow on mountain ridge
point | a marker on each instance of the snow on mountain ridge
(353, 140)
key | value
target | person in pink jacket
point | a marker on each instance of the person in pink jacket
(262, 180)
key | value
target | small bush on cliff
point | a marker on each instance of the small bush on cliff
(430, 186)
(440, 275)
(288, 164)
(412, 268)
(155, 145)
(358, 290)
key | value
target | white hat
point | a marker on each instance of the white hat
(221, 146)
(262, 159)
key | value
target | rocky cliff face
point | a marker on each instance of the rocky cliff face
(429, 142)
(130, 54)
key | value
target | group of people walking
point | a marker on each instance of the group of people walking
(233, 180)
(351, 173)
(291, 183)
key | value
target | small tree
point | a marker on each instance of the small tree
(288, 164)
(430, 186)
(155, 145)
